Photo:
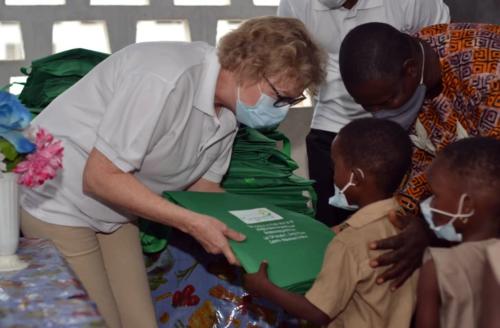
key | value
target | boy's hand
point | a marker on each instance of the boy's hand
(256, 282)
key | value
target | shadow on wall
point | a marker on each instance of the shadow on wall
(484, 11)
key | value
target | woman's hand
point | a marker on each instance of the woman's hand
(213, 235)
(407, 249)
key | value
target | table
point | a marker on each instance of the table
(46, 294)
(192, 289)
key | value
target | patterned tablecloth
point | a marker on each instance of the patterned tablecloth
(46, 294)
(191, 288)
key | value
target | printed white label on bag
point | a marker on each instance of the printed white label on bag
(256, 215)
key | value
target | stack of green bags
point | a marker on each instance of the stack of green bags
(259, 169)
(50, 76)
(292, 243)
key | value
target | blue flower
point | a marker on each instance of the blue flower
(14, 118)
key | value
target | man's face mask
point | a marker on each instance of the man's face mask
(339, 199)
(408, 112)
(261, 115)
(333, 4)
(446, 231)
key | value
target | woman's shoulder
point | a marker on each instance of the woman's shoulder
(166, 60)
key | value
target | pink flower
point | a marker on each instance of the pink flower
(43, 164)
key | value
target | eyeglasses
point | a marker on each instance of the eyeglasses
(282, 101)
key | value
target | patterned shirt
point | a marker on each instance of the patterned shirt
(469, 104)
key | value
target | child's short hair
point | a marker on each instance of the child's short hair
(380, 147)
(475, 161)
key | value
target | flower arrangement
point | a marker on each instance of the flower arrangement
(34, 155)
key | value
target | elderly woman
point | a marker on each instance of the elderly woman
(154, 117)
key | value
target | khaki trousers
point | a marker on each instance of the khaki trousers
(110, 267)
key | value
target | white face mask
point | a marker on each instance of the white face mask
(333, 4)
(408, 112)
(339, 199)
(261, 115)
(446, 231)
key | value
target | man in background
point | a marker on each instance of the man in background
(329, 21)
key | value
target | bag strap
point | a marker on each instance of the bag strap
(279, 136)
(25, 71)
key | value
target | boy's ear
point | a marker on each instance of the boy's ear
(359, 177)
(469, 205)
(410, 68)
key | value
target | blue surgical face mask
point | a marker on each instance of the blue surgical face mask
(339, 199)
(446, 231)
(407, 114)
(261, 115)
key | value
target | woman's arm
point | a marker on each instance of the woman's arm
(104, 181)
(428, 299)
(297, 305)
(204, 185)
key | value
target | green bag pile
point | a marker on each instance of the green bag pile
(292, 243)
(50, 76)
(259, 169)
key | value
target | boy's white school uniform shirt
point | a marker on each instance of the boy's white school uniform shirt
(346, 288)
(335, 107)
(149, 109)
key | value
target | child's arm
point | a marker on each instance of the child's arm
(297, 305)
(428, 299)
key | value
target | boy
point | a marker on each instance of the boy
(465, 207)
(371, 157)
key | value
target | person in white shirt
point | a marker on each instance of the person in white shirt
(155, 117)
(329, 21)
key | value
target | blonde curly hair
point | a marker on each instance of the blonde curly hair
(273, 47)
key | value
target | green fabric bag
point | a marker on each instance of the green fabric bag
(258, 168)
(294, 245)
(50, 76)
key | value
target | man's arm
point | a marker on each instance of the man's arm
(422, 13)
(297, 305)
(285, 9)
(428, 299)
(407, 249)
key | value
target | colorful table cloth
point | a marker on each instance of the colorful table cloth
(46, 294)
(191, 288)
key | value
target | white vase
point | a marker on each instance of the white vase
(9, 223)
